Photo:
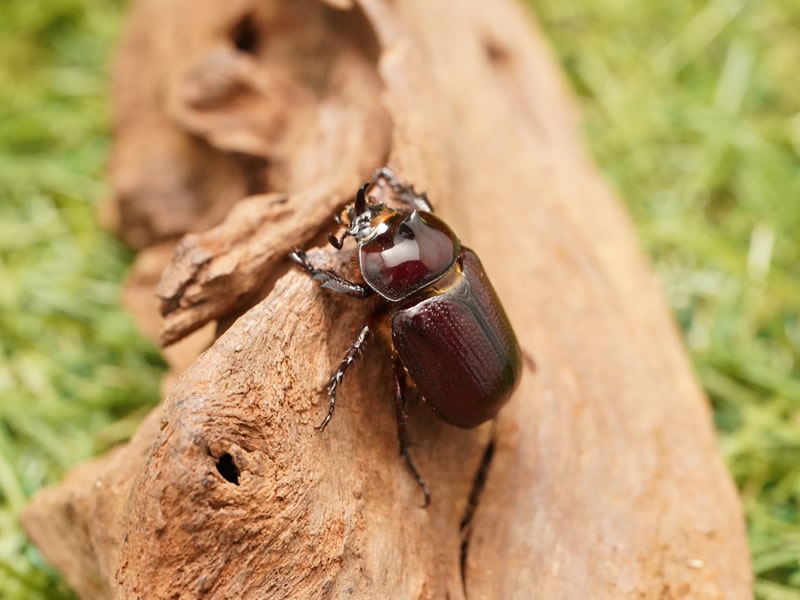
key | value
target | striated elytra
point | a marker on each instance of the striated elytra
(448, 330)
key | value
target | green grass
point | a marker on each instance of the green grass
(71, 362)
(692, 109)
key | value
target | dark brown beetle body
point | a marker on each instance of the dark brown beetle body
(449, 331)
(459, 348)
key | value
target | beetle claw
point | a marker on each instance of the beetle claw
(335, 242)
(427, 493)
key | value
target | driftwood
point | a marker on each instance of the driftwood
(600, 479)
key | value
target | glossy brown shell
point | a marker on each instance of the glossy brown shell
(411, 251)
(459, 348)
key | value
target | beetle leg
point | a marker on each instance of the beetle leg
(337, 242)
(336, 379)
(330, 280)
(405, 193)
(402, 430)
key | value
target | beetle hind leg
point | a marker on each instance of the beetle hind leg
(336, 379)
(402, 430)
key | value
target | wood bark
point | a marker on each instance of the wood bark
(600, 479)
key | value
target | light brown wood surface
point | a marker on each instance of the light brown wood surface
(602, 478)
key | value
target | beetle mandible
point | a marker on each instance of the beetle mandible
(449, 332)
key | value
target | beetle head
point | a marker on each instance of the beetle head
(360, 218)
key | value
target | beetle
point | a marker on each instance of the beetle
(448, 330)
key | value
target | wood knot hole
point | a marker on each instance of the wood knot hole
(245, 35)
(228, 469)
(498, 55)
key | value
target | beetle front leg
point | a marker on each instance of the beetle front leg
(402, 430)
(405, 193)
(330, 280)
(336, 379)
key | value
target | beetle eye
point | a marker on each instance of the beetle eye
(405, 232)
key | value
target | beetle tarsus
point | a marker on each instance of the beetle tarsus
(301, 259)
(349, 358)
(388, 175)
(402, 430)
(337, 242)
(330, 280)
(405, 193)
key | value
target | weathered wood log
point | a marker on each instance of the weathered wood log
(600, 479)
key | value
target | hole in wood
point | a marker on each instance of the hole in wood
(497, 54)
(228, 469)
(245, 35)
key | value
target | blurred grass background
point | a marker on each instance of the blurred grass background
(75, 376)
(692, 108)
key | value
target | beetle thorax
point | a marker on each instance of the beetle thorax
(406, 251)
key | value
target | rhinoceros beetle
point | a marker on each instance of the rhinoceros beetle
(447, 328)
